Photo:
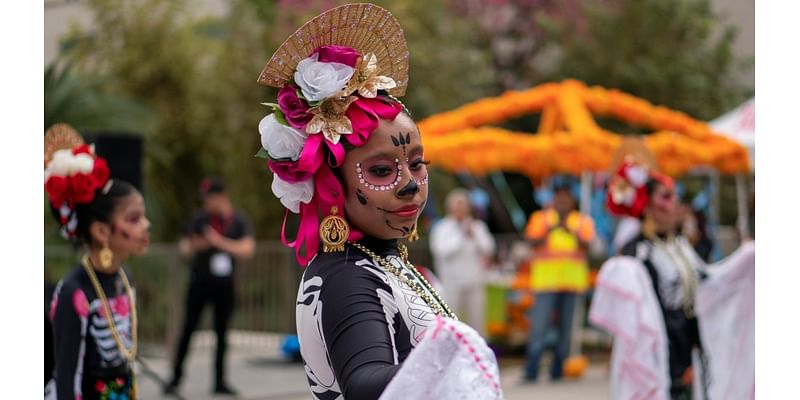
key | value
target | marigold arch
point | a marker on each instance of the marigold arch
(568, 139)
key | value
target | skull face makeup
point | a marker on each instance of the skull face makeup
(386, 169)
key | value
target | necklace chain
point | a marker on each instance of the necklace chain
(685, 271)
(130, 355)
(424, 290)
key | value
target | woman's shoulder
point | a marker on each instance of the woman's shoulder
(636, 247)
(348, 265)
(75, 279)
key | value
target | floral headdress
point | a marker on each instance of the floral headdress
(72, 174)
(329, 72)
(627, 192)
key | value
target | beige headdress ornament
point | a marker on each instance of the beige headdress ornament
(59, 137)
(633, 149)
(365, 27)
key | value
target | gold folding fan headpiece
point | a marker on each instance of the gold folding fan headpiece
(58, 137)
(364, 27)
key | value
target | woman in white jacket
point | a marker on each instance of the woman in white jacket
(461, 247)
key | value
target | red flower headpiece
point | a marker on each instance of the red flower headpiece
(627, 194)
(73, 177)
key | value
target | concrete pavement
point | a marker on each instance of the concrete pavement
(257, 371)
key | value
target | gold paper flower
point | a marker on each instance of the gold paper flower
(330, 118)
(366, 80)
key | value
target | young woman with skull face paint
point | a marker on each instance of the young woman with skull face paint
(670, 262)
(93, 310)
(355, 156)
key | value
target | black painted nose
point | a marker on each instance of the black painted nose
(410, 189)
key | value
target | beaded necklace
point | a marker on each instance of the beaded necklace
(686, 272)
(424, 290)
(130, 355)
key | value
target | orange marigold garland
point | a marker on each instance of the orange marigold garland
(569, 140)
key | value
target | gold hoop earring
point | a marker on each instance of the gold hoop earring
(413, 236)
(106, 257)
(333, 231)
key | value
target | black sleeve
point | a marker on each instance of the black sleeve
(196, 225)
(49, 350)
(246, 228)
(357, 334)
(68, 332)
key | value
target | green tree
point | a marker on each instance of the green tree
(663, 51)
(151, 51)
(199, 73)
(82, 102)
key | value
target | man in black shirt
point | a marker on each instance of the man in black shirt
(216, 238)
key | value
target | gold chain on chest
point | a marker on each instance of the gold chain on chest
(424, 289)
(686, 272)
(130, 355)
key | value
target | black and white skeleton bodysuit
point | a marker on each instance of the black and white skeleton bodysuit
(357, 322)
(88, 362)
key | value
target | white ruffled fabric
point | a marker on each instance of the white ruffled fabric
(725, 307)
(625, 305)
(451, 362)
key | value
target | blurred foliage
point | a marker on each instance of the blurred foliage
(83, 102)
(198, 73)
(674, 53)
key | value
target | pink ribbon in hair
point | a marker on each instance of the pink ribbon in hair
(364, 115)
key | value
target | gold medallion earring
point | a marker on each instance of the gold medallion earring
(106, 257)
(413, 236)
(333, 231)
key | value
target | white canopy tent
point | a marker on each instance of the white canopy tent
(739, 124)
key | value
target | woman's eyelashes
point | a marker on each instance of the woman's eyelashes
(381, 170)
(380, 176)
(416, 165)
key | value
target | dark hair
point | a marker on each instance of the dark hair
(211, 185)
(100, 209)
(651, 186)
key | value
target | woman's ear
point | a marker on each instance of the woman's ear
(100, 232)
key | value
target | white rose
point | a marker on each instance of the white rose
(292, 194)
(82, 164)
(58, 165)
(64, 163)
(320, 80)
(279, 140)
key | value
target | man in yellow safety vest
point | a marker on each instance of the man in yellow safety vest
(560, 236)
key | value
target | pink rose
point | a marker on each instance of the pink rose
(338, 54)
(294, 109)
(288, 171)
